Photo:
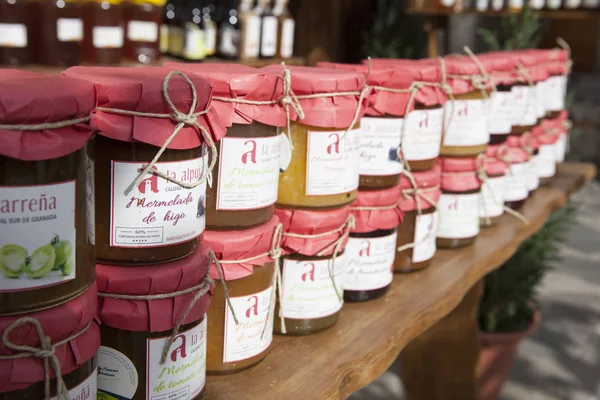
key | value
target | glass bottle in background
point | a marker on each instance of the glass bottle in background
(193, 48)
(209, 25)
(286, 27)
(572, 4)
(142, 27)
(515, 5)
(163, 41)
(176, 30)
(591, 4)
(268, 29)
(537, 4)
(58, 33)
(14, 32)
(249, 46)
(553, 4)
(497, 5)
(229, 32)
(103, 33)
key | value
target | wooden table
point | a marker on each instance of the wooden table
(369, 336)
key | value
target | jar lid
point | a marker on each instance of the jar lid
(75, 319)
(547, 132)
(495, 159)
(28, 99)
(460, 174)
(155, 315)
(425, 70)
(331, 110)
(516, 153)
(314, 233)
(140, 90)
(463, 72)
(234, 81)
(382, 102)
(254, 243)
(500, 67)
(529, 60)
(385, 212)
(554, 61)
(428, 189)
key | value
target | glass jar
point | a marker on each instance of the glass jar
(246, 178)
(459, 218)
(380, 163)
(423, 136)
(15, 38)
(491, 202)
(231, 347)
(61, 251)
(419, 229)
(125, 353)
(533, 181)
(59, 33)
(466, 131)
(516, 185)
(555, 95)
(501, 114)
(103, 37)
(142, 23)
(73, 330)
(81, 383)
(313, 293)
(120, 236)
(323, 169)
(370, 257)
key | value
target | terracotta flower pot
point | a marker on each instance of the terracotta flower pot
(498, 351)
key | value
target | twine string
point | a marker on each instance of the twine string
(45, 125)
(46, 352)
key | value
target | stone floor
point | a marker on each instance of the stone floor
(561, 361)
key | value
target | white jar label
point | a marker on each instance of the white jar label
(370, 262)
(37, 236)
(69, 29)
(502, 113)
(491, 199)
(246, 339)
(426, 227)
(210, 35)
(540, 104)
(183, 374)
(107, 37)
(459, 216)
(248, 173)
(193, 48)
(268, 43)
(524, 111)
(251, 36)
(142, 31)
(556, 91)
(86, 390)
(13, 35)
(466, 123)
(287, 38)
(157, 212)
(308, 288)
(516, 182)
(533, 180)
(117, 375)
(379, 144)
(332, 162)
(546, 162)
(560, 148)
(423, 134)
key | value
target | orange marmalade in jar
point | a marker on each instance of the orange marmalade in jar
(157, 216)
(246, 177)
(320, 155)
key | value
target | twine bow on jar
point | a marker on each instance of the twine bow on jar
(46, 353)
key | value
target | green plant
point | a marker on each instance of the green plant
(395, 34)
(510, 291)
(517, 31)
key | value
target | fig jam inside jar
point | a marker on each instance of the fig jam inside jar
(47, 229)
(459, 203)
(102, 32)
(158, 217)
(136, 330)
(250, 285)
(416, 244)
(246, 177)
(142, 23)
(23, 378)
(371, 246)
